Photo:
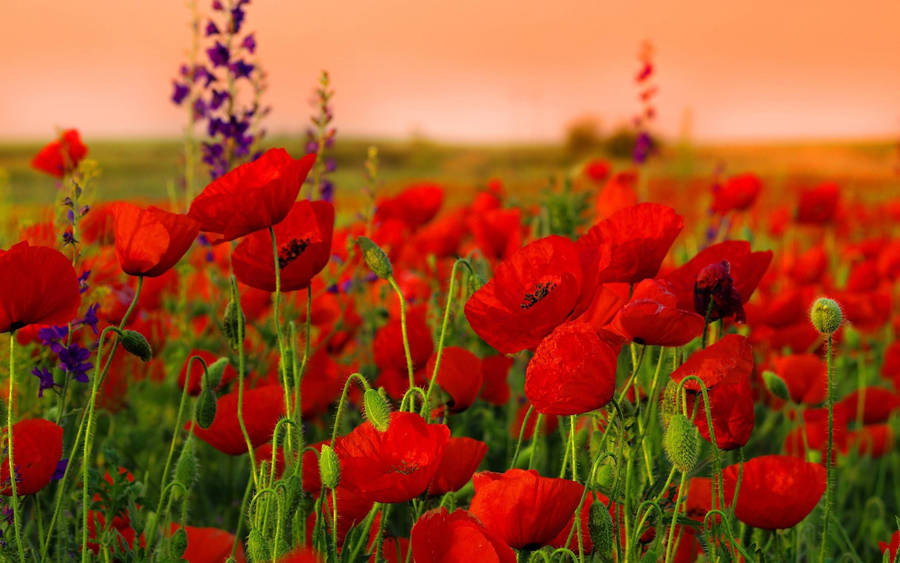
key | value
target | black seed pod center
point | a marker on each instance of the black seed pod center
(291, 251)
(540, 291)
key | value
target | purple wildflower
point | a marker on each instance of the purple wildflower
(90, 319)
(82, 281)
(241, 69)
(45, 377)
(211, 28)
(249, 43)
(60, 469)
(74, 361)
(218, 98)
(218, 54)
(180, 93)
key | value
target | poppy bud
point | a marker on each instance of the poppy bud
(329, 467)
(605, 477)
(375, 258)
(215, 371)
(186, 469)
(600, 526)
(178, 543)
(233, 324)
(476, 282)
(136, 345)
(681, 442)
(376, 410)
(826, 315)
(256, 546)
(776, 385)
(206, 408)
(668, 403)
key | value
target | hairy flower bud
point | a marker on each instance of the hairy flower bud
(600, 526)
(681, 443)
(215, 371)
(256, 546)
(186, 468)
(776, 385)
(377, 410)
(205, 410)
(329, 467)
(178, 543)
(826, 315)
(234, 324)
(668, 405)
(375, 258)
(135, 344)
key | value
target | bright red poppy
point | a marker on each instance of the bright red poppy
(301, 555)
(725, 368)
(652, 317)
(414, 206)
(151, 241)
(638, 238)
(460, 376)
(597, 170)
(573, 371)
(804, 375)
(877, 404)
(388, 343)
(208, 545)
(494, 372)
(38, 285)
(37, 449)
(892, 548)
(522, 508)
(252, 197)
(818, 205)
(737, 193)
(442, 537)
(61, 156)
(461, 458)
(498, 232)
(541, 286)
(262, 408)
(874, 440)
(395, 465)
(617, 194)
(304, 247)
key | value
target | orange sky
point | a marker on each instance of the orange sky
(471, 70)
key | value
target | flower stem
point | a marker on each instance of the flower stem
(409, 362)
(828, 485)
(9, 438)
(282, 359)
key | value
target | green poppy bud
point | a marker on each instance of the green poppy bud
(375, 258)
(600, 526)
(377, 410)
(205, 410)
(256, 546)
(776, 385)
(329, 467)
(826, 315)
(681, 442)
(215, 371)
(178, 543)
(234, 324)
(186, 468)
(136, 345)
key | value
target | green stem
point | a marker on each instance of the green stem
(669, 544)
(14, 500)
(409, 362)
(828, 484)
(236, 298)
(535, 439)
(521, 435)
(340, 407)
(282, 360)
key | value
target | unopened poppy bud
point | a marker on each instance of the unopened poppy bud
(826, 315)
(256, 546)
(476, 282)
(605, 477)
(206, 408)
(681, 442)
(329, 467)
(135, 344)
(377, 410)
(215, 371)
(178, 543)
(186, 470)
(668, 405)
(600, 526)
(776, 385)
(233, 324)
(375, 258)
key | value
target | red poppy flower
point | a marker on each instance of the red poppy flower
(441, 237)
(815, 428)
(725, 368)
(549, 424)
(208, 545)
(617, 194)
(262, 408)
(541, 286)
(37, 286)
(414, 206)
(461, 458)
(304, 247)
(253, 196)
(395, 465)
(61, 156)
(818, 205)
(745, 268)
(301, 555)
(522, 508)
(460, 376)
(442, 537)
(874, 440)
(804, 375)
(652, 317)
(893, 548)
(737, 193)
(573, 371)
(37, 449)
(597, 170)
(878, 404)
(776, 491)
(150, 241)
(195, 381)
(494, 371)
(388, 343)
(498, 232)
(321, 384)
(638, 237)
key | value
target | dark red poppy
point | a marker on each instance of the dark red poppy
(262, 408)
(37, 449)
(442, 537)
(252, 197)
(804, 375)
(815, 428)
(541, 286)
(776, 491)
(460, 376)
(652, 317)
(461, 458)
(874, 440)
(151, 241)
(522, 508)
(388, 343)
(638, 238)
(208, 545)
(195, 381)
(494, 372)
(892, 548)
(737, 193)
(745, 269)
(725, 368)
(573, 371)
(61, 156)
(38, 285)
(395, 465)
(597, 170)
(304, 247)
(877, 404)
(818, 205)
(414, 206)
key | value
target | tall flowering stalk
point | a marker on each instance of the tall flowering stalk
(645, 145)
(320, 138)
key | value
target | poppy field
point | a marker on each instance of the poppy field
(305, 355)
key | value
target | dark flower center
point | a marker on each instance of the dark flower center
(291, 251)
(540, 291)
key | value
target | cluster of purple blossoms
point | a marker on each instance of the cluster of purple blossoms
(72, 357)
(321, 133)
(211, 89)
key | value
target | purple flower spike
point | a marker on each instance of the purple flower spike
(218, 54)
(181, 92)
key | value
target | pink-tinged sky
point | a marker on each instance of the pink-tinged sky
(472, 70)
